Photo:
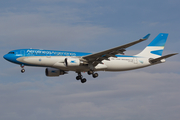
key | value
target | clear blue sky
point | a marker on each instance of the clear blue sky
(89, 26)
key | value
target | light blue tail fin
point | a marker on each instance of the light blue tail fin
(156, 47)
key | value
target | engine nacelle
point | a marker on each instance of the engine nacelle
(71, 62)
(52, 72)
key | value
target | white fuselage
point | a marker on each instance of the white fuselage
(113, 64)
(60, 62)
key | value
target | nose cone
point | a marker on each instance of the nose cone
(11, 58)
(5, 57)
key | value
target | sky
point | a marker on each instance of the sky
(151, 93)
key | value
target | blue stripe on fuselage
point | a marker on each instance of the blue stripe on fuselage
(37, 52)
(126, 56)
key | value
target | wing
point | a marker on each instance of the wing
(96, 58)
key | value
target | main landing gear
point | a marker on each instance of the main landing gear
(83, 80)
(80, 77)
(92, 73)
(22, 70)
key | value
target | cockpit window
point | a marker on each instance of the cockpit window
(11, 53)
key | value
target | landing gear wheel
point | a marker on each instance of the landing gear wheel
(23, 70)
(78, 77)
(90, 72)
(95, 75)
(83, 80)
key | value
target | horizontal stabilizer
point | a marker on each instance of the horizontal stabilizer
(160, 58)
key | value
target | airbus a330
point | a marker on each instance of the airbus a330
(60, 62)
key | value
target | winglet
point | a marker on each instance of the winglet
(146, 37)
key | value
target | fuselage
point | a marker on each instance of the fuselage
(60, 62)
(55, 59)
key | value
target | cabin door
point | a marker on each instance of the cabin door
(135, 60)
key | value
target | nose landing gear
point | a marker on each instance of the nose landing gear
(22, 70)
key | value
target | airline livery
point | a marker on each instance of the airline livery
(60, 62)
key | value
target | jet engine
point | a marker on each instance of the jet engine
(71, 62)
(52, 72)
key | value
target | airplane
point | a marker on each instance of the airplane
(60, 62)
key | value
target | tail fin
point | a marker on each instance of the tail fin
(156, 47)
